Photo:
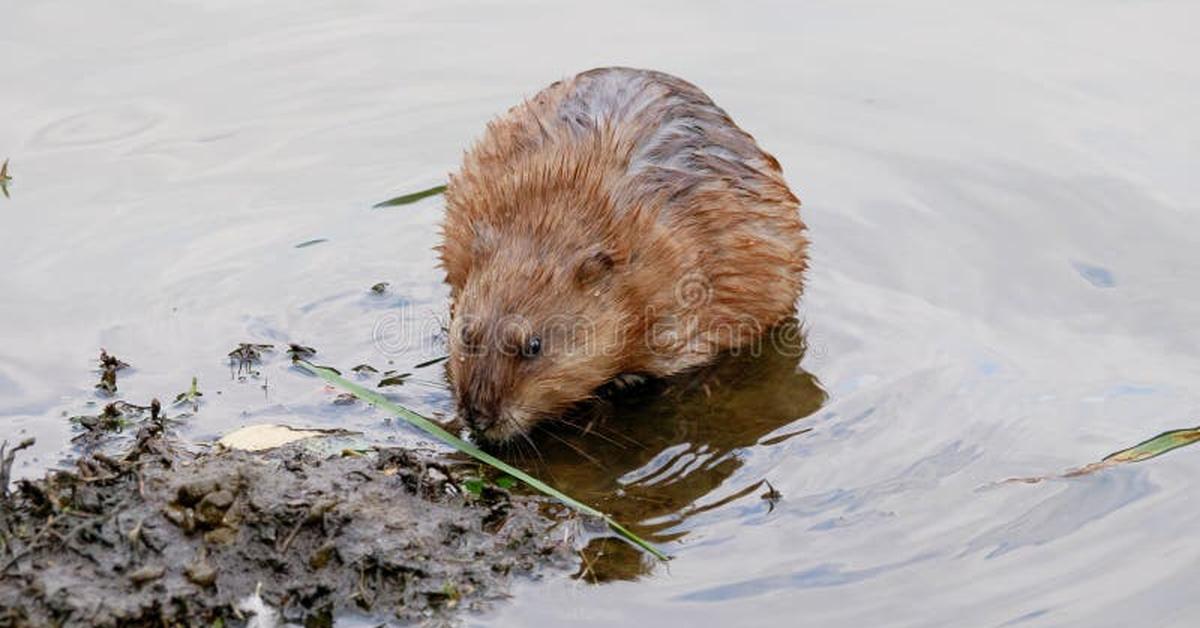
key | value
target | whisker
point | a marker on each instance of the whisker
(597, 430)
(575, 448)
(538, 452)
(514, 448)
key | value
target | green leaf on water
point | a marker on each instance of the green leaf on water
(394, 380)
(435, 430)
(191, 395)
(4, 178)
(1156, 446)
(431, 362)
(1145, 450)
(412, 198)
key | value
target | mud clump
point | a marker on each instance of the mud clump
(162, 535)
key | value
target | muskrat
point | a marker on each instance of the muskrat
(618, 224)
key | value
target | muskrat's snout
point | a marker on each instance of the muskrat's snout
(489, 425)
(482, 395)
(476, 418)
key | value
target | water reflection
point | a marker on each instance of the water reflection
(651, 456)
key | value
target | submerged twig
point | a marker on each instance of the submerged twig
(6, 462)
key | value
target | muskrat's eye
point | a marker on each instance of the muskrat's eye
(533, 346)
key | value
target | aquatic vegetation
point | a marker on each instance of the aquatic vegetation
(392, 378)
(771, 496)
(435, 430)
(6, 462)
(1145, 450)
(109, 366)
(246, 355)
(431, 362)
(412, 198)
(116, 418)
(191, 395)
(4, 178)
(300, 352)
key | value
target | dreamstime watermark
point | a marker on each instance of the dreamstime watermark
(405, 330)
(692, 291)
(690, 325)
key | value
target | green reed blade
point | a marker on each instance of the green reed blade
(435, 430)
(412, 198)
(1145, 450)
(1156, 446)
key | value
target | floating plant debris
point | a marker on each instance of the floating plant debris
(380, 287)
(300, 352)
(115, 418)
(364, 369)
(111, 419)
(191, 395)
(771, 496)
(109, 365)
(431, 362)
(6, 462)
(1145, 450)
(246, 355)
(108, 382)
(111, 362)
(391, 378)
(4, 178)
(308, 243)
(412, 198)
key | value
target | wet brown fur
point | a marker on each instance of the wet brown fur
(623, 218)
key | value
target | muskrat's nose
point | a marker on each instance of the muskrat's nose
(477, 419)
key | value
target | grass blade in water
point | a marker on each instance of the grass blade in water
(431, 362)
(435, 430)
(1145, 450)
(1156, 446)
(412, 198)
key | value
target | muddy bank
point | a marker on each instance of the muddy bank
(164, 535)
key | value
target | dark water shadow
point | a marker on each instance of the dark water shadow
(650, 456)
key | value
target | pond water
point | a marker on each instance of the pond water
(1002, 203)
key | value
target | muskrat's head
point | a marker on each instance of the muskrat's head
(533, 332)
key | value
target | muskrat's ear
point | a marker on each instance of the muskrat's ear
(463, 248)
(594, 267)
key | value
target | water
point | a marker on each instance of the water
(1004, 225)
